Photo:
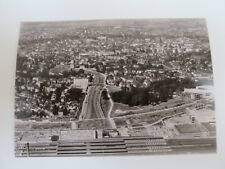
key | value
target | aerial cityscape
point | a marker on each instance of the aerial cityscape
(114, 87)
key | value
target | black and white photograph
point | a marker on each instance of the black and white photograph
(114, 87)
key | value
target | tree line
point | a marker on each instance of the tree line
(158, 91)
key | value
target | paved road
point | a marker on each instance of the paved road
(93, 109)
(91, 106)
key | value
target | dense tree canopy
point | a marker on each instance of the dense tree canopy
(75, 94)
(158, 91)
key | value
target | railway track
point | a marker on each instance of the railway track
(111, 146)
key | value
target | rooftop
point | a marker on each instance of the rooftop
(204, 115)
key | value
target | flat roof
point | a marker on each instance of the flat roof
(45, 136)
(204, 115)
(71, 135)
(188, 128)
(200, 90)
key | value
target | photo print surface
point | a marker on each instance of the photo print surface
(114, 87)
